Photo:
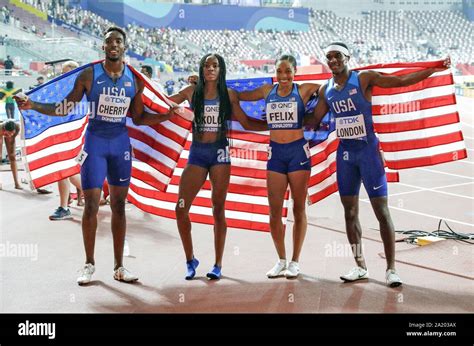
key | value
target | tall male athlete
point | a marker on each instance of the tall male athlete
(112, 91)
(348, 95)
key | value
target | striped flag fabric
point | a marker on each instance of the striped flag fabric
(418, 125)
(157, 149)
(51, 144)
(247, 202)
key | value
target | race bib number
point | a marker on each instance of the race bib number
(113, 108)
(351, 127)
(282, 115)
(81, 157)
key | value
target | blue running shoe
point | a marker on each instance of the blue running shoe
(191, 265)
(215, 273)
(61, 214)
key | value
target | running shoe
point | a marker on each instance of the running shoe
(393, 280)
(122, 274)
(86, 274)
(191, 268)
(215, 273)
(356, 273)
(278, 269)
(293, 270)
(61, 214)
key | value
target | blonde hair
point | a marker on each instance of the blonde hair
(70, 65)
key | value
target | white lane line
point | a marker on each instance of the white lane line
(453, 185)
(466, 124)
(398, 194)
(428, 215)
(418, 188)
(467, 137)
(445, 173)
(463, 161)
(433, 190)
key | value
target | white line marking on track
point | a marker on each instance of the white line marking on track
(445, 173)
(434, 190)
(427, 215)
(418, 188)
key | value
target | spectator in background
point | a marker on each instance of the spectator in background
(8, 93)
(39, 80)
(63, 212)
(169, 86)
(8, 131)
(8, 66)
(147, 70)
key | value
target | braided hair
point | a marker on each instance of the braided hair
(225, 106)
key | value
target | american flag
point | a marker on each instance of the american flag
(418, 125)
(246, 204)
(51, 144)
(410, 138)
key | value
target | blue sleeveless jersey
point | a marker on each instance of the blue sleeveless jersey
(210, 117)
(284, 113)
(110, 102)
(351, 110)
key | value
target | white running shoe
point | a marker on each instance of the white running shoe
(393, 280)
(356, 273)
(86, 274)
(279, 269)
(122, 274)
(293, 270)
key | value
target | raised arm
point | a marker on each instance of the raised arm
(247, 122)
(184, 94)
(372, 78)
(60, 108)
(320, 110)
(142, 117)
(256, 94)
(308, 89)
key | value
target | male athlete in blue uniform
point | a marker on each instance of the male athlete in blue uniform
(348, 96)
(289, 158)
(112, 92)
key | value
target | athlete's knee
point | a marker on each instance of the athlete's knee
(383, 214)
(11, 157)
(91, 208)
(275, 215)
(181, 208)
(299, 212)
(351, 213)
(218, 211)
(118, 206)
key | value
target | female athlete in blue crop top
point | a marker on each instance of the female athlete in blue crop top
(213, 104)
(289, 161)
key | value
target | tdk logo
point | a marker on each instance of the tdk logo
(348, 120)
(37, 329)
(115, 99)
